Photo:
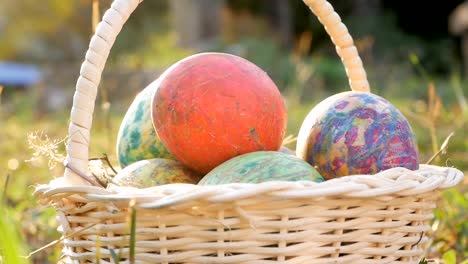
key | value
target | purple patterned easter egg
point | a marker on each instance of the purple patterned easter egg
(356, 133)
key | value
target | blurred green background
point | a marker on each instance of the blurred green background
(415, 55)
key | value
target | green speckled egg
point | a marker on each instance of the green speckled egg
(262, 166)
(137, 138)
(155, 172)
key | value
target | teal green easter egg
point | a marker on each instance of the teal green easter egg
(137, 138)
(261, 166)
(155, 172)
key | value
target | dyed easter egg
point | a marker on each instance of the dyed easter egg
(137, 138)
(211, 107)
(356, 133)
(155, 172)
(261, 166)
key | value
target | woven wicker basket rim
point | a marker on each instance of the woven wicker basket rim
(395, 181)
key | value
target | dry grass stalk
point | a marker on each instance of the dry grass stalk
(45, 147)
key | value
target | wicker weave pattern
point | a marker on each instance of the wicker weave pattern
(358, 219)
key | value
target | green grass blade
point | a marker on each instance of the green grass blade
(10, 246)
(114, 256)
(5, 188)
(132, 235)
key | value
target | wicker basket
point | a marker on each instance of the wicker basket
(361, 219)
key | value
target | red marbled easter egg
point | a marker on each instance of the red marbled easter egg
(211, 107)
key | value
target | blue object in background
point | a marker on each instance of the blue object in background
(18, 74)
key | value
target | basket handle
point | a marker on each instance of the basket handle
(106, 32)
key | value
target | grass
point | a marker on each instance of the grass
(132, 232)
(434, 114)
(12, 245)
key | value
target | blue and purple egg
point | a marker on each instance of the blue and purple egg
(356, 133)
